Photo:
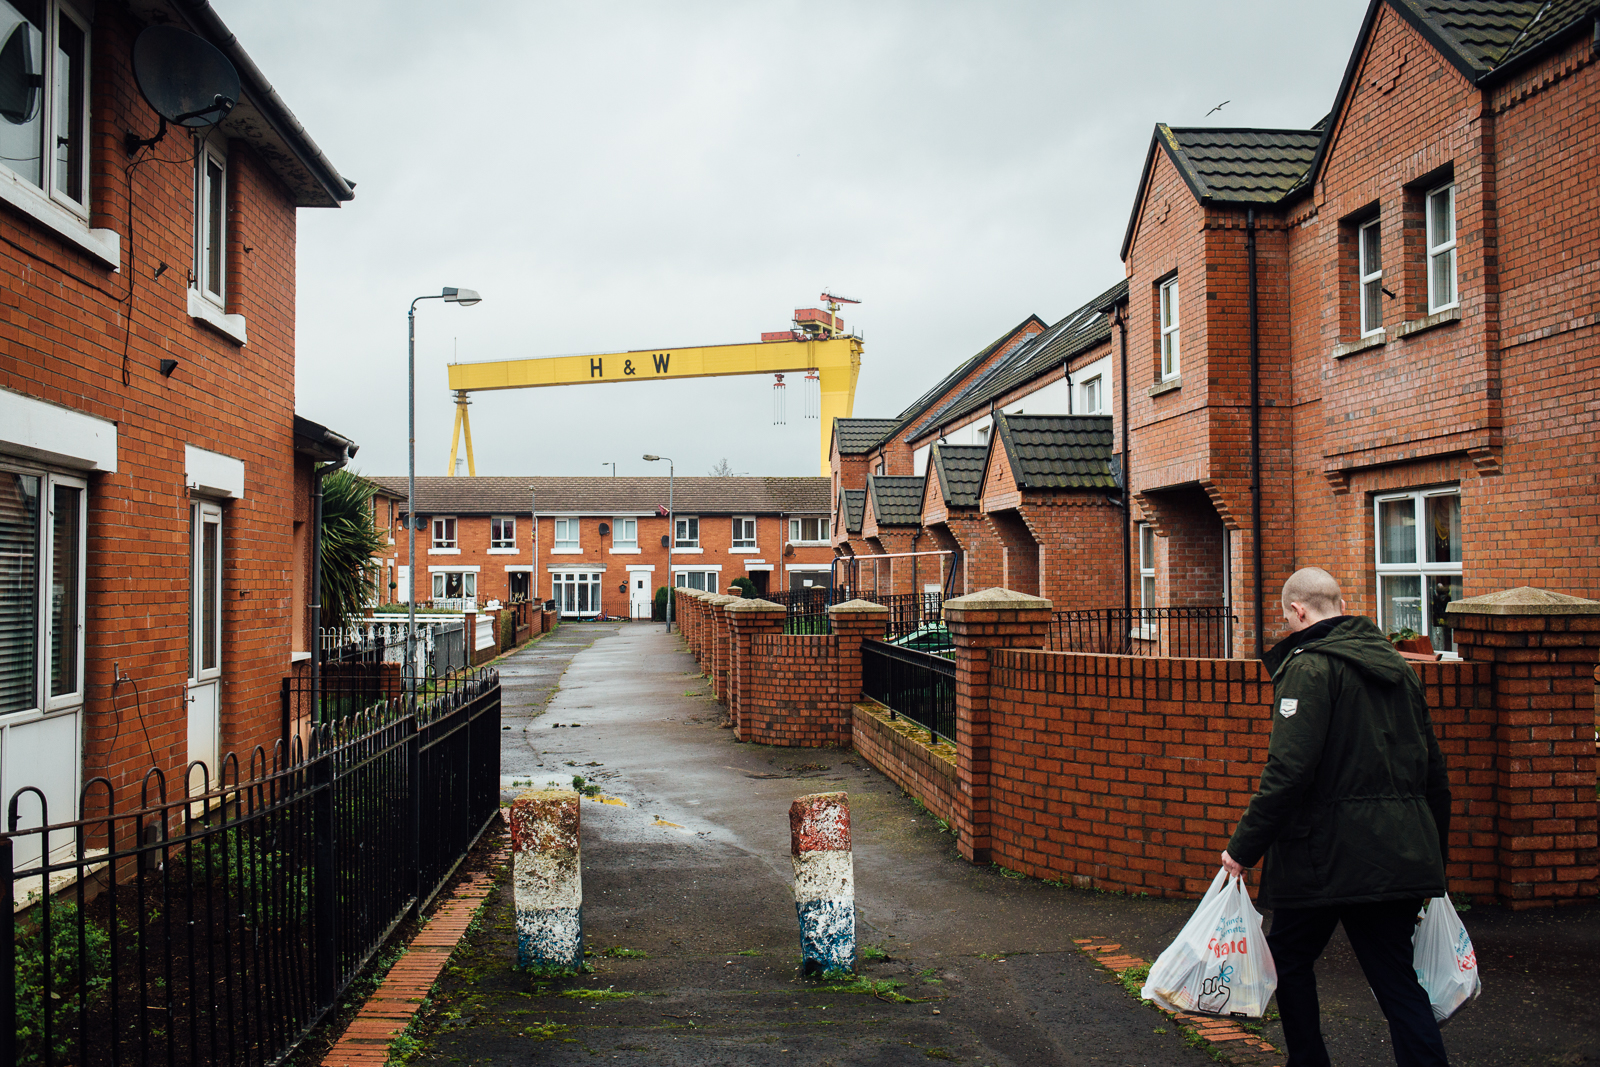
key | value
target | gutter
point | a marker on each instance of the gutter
(202, 15)
(347, 451)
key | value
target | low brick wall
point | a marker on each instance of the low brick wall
(900, 749)
(1130, 773)
(794, 699)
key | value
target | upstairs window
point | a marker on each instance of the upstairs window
(503, 531)
(1369, 271)
(744, 531)
(808, 529)
(1169, 330)
(444, 532)
(625, 533)
(1092, 396)
(1441, 213)
(44, 99)
(566, 535)
(210, 214)
(686, 532)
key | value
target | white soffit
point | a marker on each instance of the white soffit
(213, 473)
(51, 433)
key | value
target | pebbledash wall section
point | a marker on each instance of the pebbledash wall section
(1129, 773)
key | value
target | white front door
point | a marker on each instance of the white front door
(205, 639)
(639, 595)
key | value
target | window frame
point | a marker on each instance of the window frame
(49, 113)
(688, 521)
(618, 524)
(1369, 279)
(1437, 249)
(42, 702)
(497, 536)
(436, 542)
(797, 529)
(1097, 384)
(1421, 567)
(710, 578)
(1170, 323)
(439, 583)
(572, 543)
(1147, 565)
(203, 513)
(740, 543)
(206, 220)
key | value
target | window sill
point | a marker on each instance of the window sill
(502, 551)
(1165, 387)
(1350, 348)
(686, 551)
(104, 245)
(1438, 318)
(566, 551)
(444, 552)
(752, 548)
(299, 657)
(204, 311)
(626, 551)
(811, 544)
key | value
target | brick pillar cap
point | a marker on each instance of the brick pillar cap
(746, 604)
(992, 599)
(850, 607)
(719, 599)
(698, 593)
(1524, 600)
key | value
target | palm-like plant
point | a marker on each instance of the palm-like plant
(349, 539)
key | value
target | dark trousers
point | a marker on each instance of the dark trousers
(1381, 936)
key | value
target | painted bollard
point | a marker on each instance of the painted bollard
(824, 882)
(548, 879)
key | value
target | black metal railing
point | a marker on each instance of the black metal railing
(919, 686)
(348, 688)
(909, 612)
(203, 922)
(1201, 631)
(807, 610)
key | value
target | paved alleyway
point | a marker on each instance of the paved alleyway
(694, 874)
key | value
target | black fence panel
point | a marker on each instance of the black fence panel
(919, 686)
(216, 921)
(1200, 631)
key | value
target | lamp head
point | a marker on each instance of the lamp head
(652, 459)
(464, 297)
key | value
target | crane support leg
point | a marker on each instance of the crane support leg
(463, 429)
(838, 390)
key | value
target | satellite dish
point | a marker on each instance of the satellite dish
(184, 78)
(21, 83)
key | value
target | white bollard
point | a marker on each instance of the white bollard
(548, 879)
(824, 882)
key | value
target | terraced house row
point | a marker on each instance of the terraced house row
(1368, 345)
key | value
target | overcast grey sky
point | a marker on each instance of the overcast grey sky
(631, 175)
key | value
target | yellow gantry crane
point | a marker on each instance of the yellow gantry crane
(817, 342)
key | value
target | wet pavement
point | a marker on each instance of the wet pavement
(690, 917)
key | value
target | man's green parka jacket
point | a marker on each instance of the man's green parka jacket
(1354, 802)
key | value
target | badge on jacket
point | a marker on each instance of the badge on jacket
(1288, 706)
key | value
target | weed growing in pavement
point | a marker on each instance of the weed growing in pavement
(1463, 901)
(873, 953)
(993, 957)
(546, 1030)
(1006, 872)
(581, 785)
(1133, 978)
(882, 988)
(608, 993)
(748, 952)
(618, 952)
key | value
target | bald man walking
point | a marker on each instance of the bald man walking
(1352, 815)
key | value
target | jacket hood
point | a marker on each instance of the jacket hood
(1358, 641)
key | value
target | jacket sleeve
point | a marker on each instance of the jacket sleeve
(1438, 789)
(1301, 708)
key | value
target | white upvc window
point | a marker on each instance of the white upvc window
(205, 591)
(1369, 272)
(744, 531)
(1418, 538)
(566, 535)
(686, 532)
(503, 531)
(1170, 365)
(706, 580)
(809, 530)
(1093, 395)
(211, 222)
(43, 528)
(1440, 209)
(44, 107)
(625, 533)
(444, 531)
(576, 593)
(455, 585)
(1147, 565)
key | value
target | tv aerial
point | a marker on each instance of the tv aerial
(184, 78)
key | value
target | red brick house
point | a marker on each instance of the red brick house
(147, 366)
(602, 545)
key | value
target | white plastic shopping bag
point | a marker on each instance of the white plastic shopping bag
(1442, 954)
(1219, 964)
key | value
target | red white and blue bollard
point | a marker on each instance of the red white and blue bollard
(824, 882)
(548, 879)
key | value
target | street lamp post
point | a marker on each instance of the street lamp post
(466, 298)
(672, 537)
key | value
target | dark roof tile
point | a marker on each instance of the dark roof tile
(604, 496)
(855, 436)
(1059, 451)
(852, 503)
(896, 498)
(1242, 166)
(959, 472)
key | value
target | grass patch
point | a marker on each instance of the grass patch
(1133, 978)
(873, 953)
(546, 1030)
(748, 952)
(609, 993)
(617, 952)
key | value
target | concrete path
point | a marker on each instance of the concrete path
(689, 914)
